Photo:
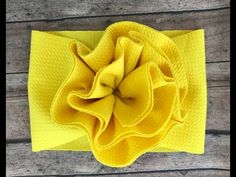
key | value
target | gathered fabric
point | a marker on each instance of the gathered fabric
(119, 93)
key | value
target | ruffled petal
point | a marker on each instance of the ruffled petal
(132, 104)
(125, 93)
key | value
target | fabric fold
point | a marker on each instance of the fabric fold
(120, 93)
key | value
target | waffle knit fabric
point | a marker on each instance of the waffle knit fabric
(119, 93)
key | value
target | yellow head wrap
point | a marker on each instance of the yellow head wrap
(120, 92)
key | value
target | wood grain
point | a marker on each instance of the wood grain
(175, 173)
(215, 23)
(24, 15)
(218, 71)
(21, 161)
(29, 10)
(164, 173)
(16, 84)
(17, 118)
(218, 108)
(17, 113)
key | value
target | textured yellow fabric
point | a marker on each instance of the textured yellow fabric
(120, 92)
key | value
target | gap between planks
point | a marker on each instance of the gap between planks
(22, 161)
(118, 15)
(52, 10)
(203, 172)
(215, 24)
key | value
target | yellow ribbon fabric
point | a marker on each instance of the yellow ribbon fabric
(120, 92)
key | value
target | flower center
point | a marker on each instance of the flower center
(116, 92)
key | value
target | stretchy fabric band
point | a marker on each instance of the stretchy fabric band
(120, 92)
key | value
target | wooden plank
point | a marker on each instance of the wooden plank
(219, 83)
(217, 75)
(218, 108)
(175, 173)
(17, 113)
(218, 71)
(22, 10)
(16, 84)
(215, 23)
(181, 173)
(21, 161)
(167, 173)
(17, 118)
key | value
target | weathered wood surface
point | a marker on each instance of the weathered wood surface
(17, 113)
(168, 173)
(215, 23)
(21, 161)
(23, 10)
(181, 173)
(24, 15)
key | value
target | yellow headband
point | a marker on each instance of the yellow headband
(120, 92)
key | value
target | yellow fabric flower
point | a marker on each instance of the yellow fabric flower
(120, 93)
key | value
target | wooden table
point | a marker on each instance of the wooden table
(25, 15)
